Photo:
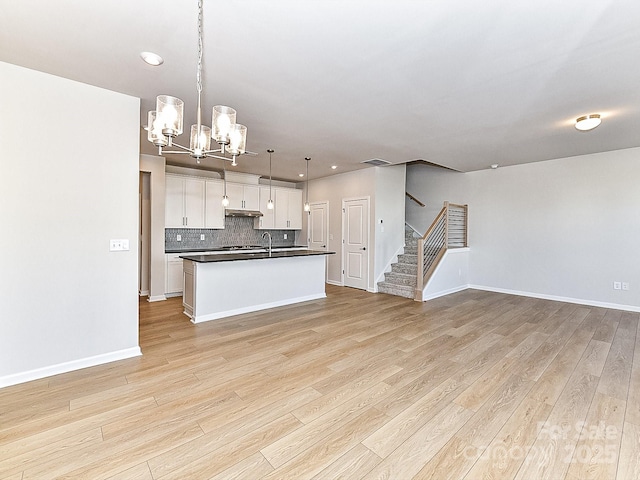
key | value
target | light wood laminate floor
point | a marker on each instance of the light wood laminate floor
(355, 386)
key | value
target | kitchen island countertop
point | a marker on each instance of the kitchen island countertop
(232, 257)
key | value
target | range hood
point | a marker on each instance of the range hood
(229, 212)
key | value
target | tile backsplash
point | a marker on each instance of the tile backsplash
(237, 231)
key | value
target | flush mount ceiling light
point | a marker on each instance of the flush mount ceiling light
(588, 122)
(165, 123)
(151, 58)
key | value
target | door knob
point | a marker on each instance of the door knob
(363, 248)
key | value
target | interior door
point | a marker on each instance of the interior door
(318, 230)
(355, 241)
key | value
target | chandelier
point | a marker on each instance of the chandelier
(165, 123)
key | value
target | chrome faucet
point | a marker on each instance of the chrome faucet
(268, 235)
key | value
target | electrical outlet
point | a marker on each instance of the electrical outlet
(178, 238)
(617, 285)
(625, 285)
(285, 236)
(202, 236)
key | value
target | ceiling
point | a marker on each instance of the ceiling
(462, 84)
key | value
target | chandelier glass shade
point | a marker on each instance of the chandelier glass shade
(166, 123)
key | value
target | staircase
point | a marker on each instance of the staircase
(402, 280)
(408, 277)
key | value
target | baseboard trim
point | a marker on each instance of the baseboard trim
(337, 284)
(557, 298)
(449, 291)
(79, 364)
(254, 308)
(157, 298)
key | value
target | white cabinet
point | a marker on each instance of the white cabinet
(243, 197)
(173, 274)
(214, 211)
(184, 206)
(267, 220)
(288, 209)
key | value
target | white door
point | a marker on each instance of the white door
(318, 226)
(318, 230)
(355, 240)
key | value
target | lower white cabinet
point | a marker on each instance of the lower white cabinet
(173, 274)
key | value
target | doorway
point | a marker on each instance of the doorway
(144, 234)
(355, 242)
(318, 229)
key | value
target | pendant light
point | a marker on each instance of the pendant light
(225, 199)
(270, 202)
(307, 207)
(166, 122)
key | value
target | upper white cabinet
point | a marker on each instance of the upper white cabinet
(185, 198)
(267, 220)
(214, 211)
(288, 209)
(243, 197)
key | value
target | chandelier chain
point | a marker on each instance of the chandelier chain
(199, 72)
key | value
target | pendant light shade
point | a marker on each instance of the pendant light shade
(270, 202)
(225, 199)
(223, 119)
(154, 134)
(237, 139)
(200, 141)
(307, 206)
(170, 114)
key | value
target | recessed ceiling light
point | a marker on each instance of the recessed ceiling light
(152, 58)
(588, 122)
(494, 166)
(301, 174)
(333, 167)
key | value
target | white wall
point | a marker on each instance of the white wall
(384, 186)
(433, 186)
(562, 229)
(389, 208)
(334, 189)
(68, 184)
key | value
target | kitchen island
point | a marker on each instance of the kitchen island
(219, 286)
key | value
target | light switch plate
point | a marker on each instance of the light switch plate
(119, 245)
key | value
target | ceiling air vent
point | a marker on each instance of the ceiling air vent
(377, 162)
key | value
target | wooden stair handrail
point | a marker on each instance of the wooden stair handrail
(414, 199)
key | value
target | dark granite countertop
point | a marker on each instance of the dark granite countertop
(232, 257)
(223, 249)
